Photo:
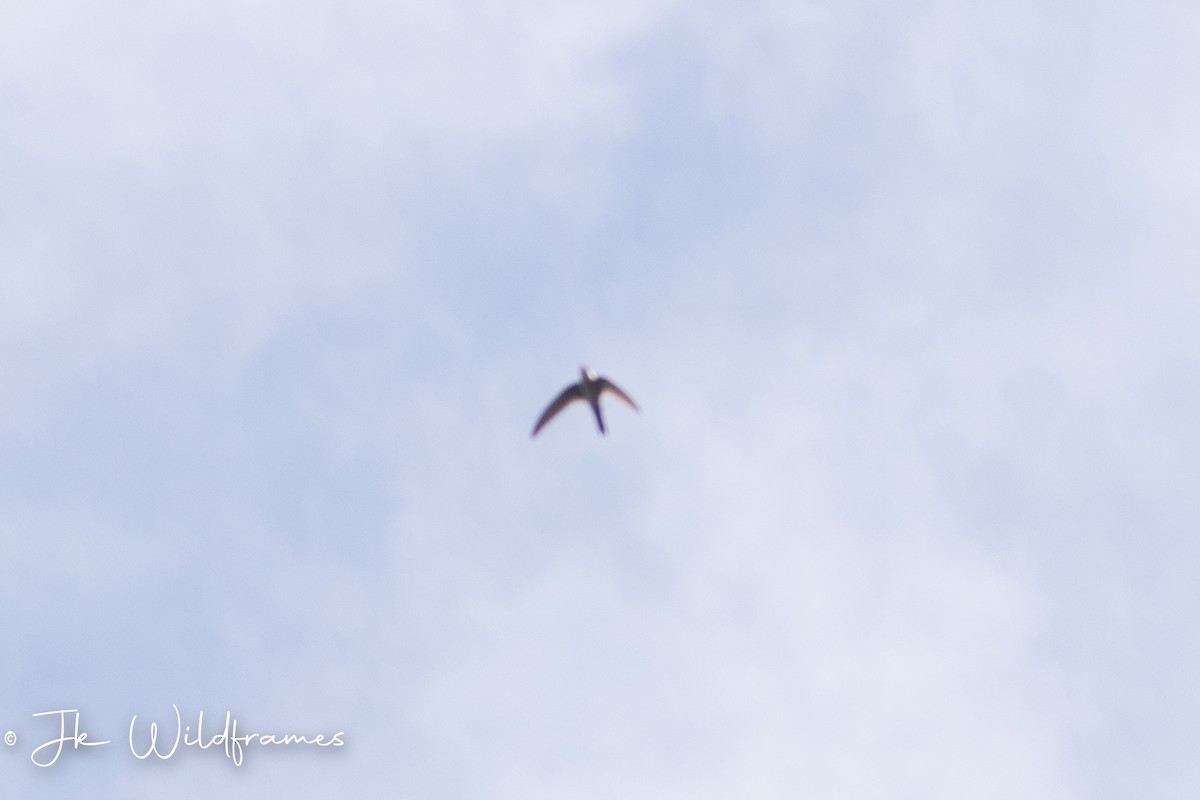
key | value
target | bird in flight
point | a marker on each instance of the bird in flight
(589, 388)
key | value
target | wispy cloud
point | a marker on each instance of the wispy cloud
(905, 293)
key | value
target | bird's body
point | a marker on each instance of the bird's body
(590, 387)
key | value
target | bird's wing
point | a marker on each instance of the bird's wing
(572, 392)
(607, 385)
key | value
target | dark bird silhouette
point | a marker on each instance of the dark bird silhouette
(589, 388)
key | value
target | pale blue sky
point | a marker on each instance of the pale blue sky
(906, 291)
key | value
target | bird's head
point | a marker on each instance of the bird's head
(587, 374)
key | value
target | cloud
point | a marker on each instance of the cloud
(904, 294)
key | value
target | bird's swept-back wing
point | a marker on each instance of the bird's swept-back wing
(572, 392)
(606, 385)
